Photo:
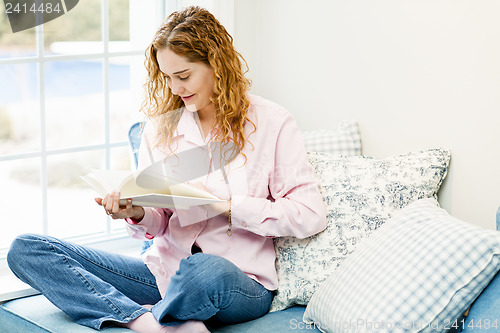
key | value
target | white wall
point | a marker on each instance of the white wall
(415, 74)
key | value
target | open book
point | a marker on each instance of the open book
(149, 188)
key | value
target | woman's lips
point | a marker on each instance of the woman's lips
(187, 98)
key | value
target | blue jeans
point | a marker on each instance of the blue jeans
(484, 313)
(96, 287)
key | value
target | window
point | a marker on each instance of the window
(70, 90)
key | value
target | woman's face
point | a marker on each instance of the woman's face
(192, 81)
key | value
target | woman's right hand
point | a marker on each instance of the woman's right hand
(111, 204)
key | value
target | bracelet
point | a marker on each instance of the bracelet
(229, 230)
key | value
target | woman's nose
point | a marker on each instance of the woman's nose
(176, 87)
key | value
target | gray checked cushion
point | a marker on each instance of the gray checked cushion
(418, 273)
(344, 141)
(360, 194)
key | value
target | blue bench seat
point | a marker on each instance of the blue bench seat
(35, 314)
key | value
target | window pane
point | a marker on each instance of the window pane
(20, 44)
(119, 27)
(126, 78)
(120, 158)
(76, 32)
(72, 210)
(133, 32)
(72, 111)
(19, 109)
(144, 21)
(21, 194)
(74, 103)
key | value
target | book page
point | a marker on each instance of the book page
(178, 196)
(162, 174)
(106, 181)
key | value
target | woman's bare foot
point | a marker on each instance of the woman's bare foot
(146, 323)
(191, 326)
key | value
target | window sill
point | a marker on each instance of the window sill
(12, 288)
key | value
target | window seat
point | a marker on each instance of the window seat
(35, 314)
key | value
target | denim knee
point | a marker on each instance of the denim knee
(207, 270)
(208, 260)
(206, 274)
(208, 286)
(23, 252)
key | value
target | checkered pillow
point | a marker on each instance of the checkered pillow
(360, 193)
(417, 273)
(345, 141)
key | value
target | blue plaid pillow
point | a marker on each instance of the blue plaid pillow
(344, 141)
(417, 273)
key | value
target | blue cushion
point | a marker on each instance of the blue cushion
(134, 139)
(36, 314)
(498, 219)
(289, 320)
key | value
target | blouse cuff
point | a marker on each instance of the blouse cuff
(146, 219)
(242, 209)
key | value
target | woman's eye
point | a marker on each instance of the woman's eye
(184, 78)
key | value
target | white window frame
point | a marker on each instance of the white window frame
(11, 287)
(45, 153)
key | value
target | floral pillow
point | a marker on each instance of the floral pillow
(360, 194)
(418, 273)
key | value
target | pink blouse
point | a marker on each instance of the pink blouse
(274, 193)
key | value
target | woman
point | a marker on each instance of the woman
(213, 263)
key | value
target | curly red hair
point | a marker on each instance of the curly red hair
(197, 35)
